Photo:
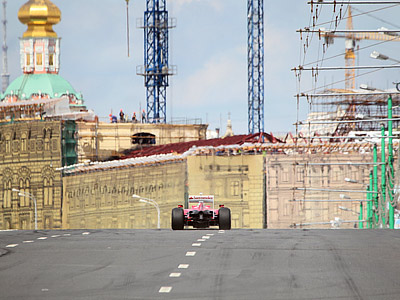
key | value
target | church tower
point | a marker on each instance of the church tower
(40, 58)
(40, 45)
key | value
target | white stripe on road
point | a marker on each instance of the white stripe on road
(28, 241)
(190, 253)
(12, 246)
(196, 244)
(56, 235)
(210, 234)
(85, 233)
(221, 231)
(175, 275)
(201, 240)
(42, 238)
(205, 237)
(67, 234)
(165, 289)
(183, 266)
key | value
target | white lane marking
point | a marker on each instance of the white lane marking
(85, 233)
(45, 290)
(42, 238)
(67, 234)
(221, 231)
(175, 275)
(28, 241)
(210, 234)
(165, 289)
(196, 244)
(191, 253)
(201, 240)
(55, 236)
(205, 237)
(12, 246)
(183, 266)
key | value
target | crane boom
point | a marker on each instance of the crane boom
(350, 42)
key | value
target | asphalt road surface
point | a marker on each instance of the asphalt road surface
(200, 264)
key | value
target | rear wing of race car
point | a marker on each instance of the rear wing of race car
(201, 198)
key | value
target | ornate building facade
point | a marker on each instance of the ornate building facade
(30, 152)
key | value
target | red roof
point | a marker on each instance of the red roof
(183, 147)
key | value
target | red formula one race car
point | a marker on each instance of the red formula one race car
(201, 215)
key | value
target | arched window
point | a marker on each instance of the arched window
(7, 194)
(144, 138)
(23, 142)
(48, 191)
(24, 191)
(8, 144)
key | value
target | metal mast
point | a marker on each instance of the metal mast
(255, 51)
(5, 77)
(156, 69)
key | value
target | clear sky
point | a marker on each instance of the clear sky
(209, 47)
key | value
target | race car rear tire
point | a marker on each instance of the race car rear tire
(177, 221)
(224, 214)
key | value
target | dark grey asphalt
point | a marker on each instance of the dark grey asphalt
(236, 264)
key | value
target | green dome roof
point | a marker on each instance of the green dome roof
(51, 84)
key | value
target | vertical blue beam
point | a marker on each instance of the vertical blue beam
(156, 68)
(255, 53)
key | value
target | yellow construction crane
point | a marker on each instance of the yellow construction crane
(350, 44)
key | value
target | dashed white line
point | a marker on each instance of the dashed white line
(55, 236)
(201, 240)
(12, 246)
(67, 234)
(183, 266)
(221, 231)
(205, 237)
(165, 289)
(28, 241)
(42, 238)
(85, 233)
(196, 244)
(175, 275)
(191, 253)
(210, 234)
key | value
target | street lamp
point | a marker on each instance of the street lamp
(348, 209)
(377, 55)
(20, 193)
(151, 202)
(350, 180)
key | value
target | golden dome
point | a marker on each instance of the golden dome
(40, 16)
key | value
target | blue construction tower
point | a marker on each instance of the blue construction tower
(156, 69)
(255, 27)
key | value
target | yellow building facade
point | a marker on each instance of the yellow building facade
(103, 198)
(29, 154)
(99, 140)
